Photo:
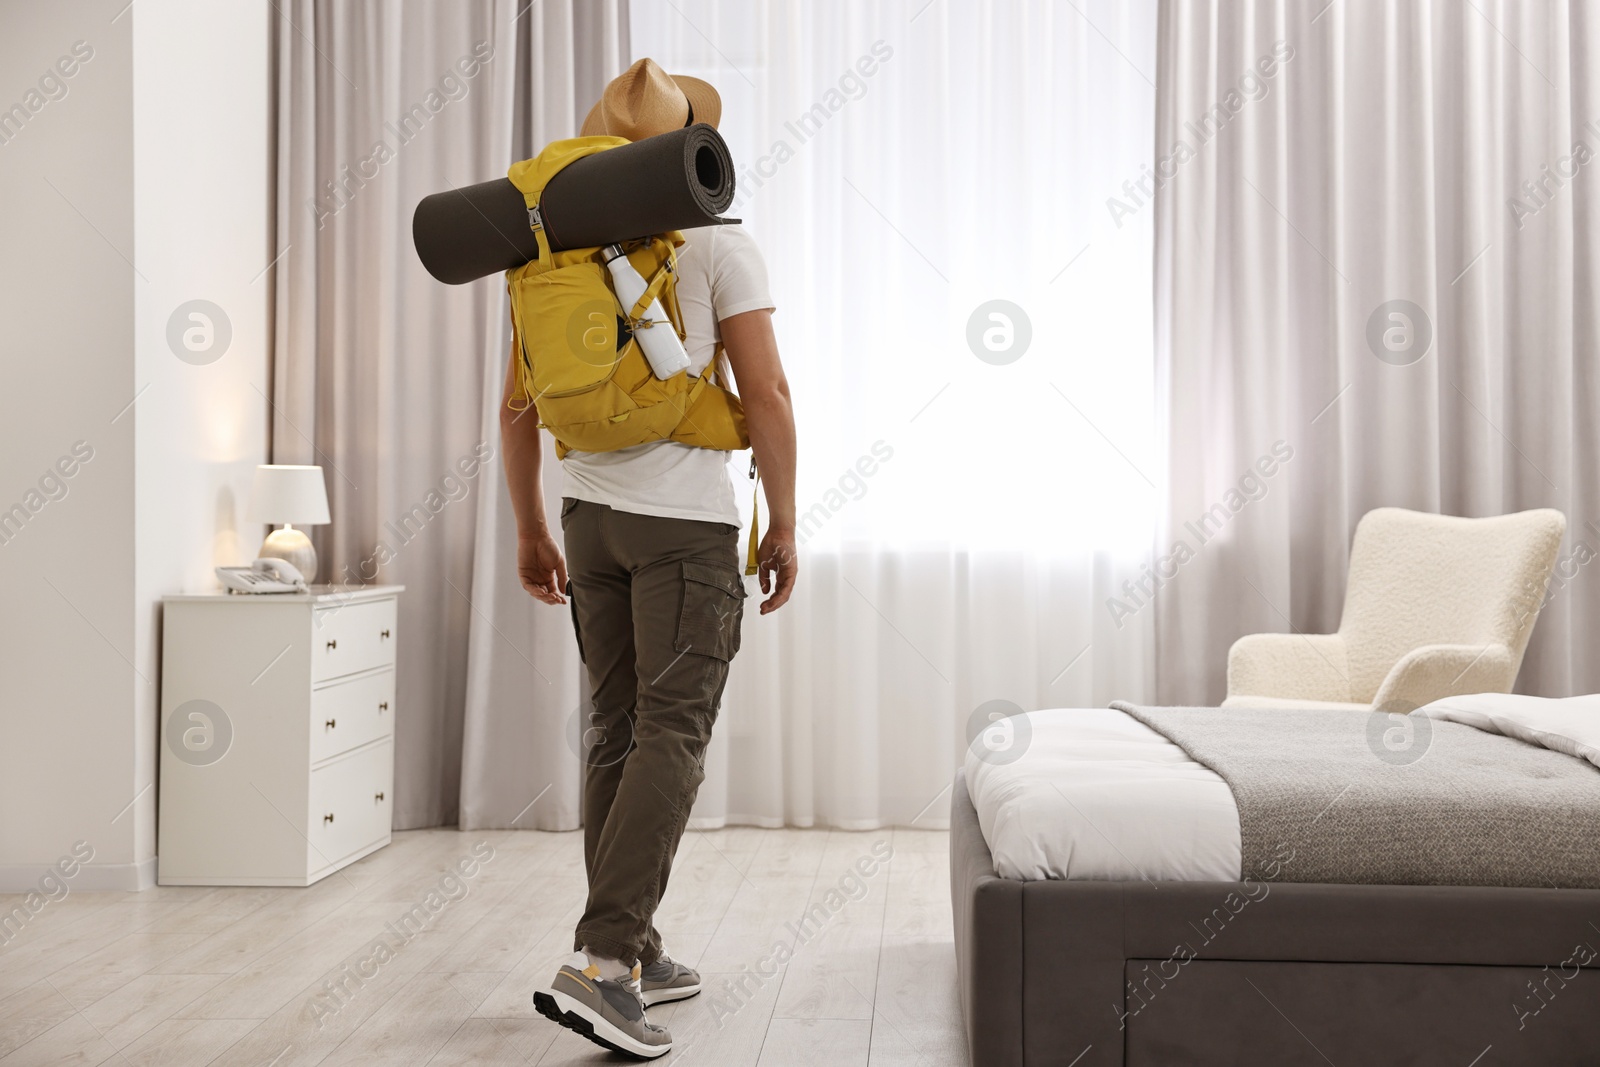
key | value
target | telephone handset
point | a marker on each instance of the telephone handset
(263, 576)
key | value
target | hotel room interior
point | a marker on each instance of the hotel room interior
(1193, 657)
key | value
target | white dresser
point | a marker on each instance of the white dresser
(277, 734)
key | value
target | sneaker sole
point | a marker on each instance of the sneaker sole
(662, 996)
(580, 1019)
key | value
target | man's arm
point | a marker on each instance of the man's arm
(540, 567)
(769, 415)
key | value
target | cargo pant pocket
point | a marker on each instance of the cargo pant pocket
(713, 607)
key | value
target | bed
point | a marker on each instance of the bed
(1124, 917)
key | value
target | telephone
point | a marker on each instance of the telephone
(263, 576)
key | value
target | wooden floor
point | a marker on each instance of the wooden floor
(185, 976)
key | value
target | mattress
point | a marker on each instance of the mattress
(1097, 795)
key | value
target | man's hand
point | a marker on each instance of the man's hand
(777, 568)
(541, 568)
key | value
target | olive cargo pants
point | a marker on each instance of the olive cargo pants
(656, 604)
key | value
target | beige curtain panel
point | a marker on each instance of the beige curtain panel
(388, 379)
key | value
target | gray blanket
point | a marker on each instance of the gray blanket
(1340, 796)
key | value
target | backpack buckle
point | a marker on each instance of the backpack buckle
(535, 220)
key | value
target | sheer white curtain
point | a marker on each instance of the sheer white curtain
(969, 514)
(1433, 153)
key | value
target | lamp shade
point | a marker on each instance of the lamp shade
(283, 494)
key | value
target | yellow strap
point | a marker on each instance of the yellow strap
(651, 291)
(693, 395)
(536, 224)
(520, 354)
(674, 310)
(752, 563)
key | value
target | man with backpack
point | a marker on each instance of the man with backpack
(653, 573)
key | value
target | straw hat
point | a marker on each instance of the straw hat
(645, 100)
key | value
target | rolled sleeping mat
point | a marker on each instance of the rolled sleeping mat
(673, 181)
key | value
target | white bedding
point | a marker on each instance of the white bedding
(1099, 795)
(1570, 725)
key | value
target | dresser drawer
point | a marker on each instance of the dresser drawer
(351, 638)
(348, 714)
(350, 804)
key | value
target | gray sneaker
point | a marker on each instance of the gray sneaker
(609, 1012)
(667, 979)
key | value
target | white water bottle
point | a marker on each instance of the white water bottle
(654, 332)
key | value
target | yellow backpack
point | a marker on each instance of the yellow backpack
(579, 362)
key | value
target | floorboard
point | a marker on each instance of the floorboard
(812, 951)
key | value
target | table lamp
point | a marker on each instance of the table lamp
(282, 493)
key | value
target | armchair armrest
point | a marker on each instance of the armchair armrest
(1292, 666)
(1434, 672)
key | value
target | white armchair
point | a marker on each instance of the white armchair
(1435, 606)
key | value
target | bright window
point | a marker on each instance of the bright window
(902, 165)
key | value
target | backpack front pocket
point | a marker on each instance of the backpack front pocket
(567, 319)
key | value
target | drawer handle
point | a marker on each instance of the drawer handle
(384, 634)
(331, 723)
(384, 706)
(328, 817)
(378, 797)
(333, 644)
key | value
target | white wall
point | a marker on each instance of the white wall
(67, 665)
(134, 184)
(201, 232)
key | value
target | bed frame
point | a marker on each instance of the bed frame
(1137, 974)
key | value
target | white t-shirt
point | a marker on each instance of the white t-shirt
(720, 274)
